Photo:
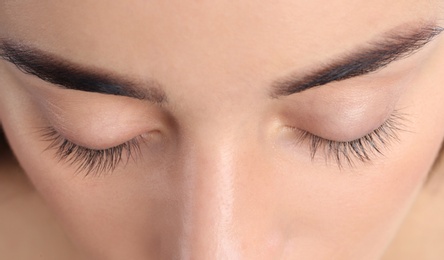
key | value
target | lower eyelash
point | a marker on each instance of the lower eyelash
(362, 149)
(89, 160)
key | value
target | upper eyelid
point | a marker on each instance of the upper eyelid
(92, 161)
(377, 140)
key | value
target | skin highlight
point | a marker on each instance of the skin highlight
(220, 175)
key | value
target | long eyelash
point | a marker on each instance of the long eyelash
(89, 160)
(362, 149)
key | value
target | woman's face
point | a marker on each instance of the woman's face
(224, 129)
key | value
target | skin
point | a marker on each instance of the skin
(219, 176)
(28, 228)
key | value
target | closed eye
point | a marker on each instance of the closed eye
(91, 161)
(363, 149)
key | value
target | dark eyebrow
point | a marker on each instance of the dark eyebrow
(394, 45)
(65, 74)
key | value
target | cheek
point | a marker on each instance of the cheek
(359, 211)
(111, 215)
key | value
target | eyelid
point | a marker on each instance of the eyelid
(344, 112)
(91, 161)
(363, 149)
(98, 121)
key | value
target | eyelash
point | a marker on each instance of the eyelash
(91, 161)
(362, 149)
(106, 160)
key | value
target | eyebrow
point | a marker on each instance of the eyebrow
(69, 75)
(393, 45)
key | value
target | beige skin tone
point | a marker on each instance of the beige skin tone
(219, 175)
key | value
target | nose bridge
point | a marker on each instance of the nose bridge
(209, 173)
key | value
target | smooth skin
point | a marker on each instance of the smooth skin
(220, 175)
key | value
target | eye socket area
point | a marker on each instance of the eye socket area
(344, 123)
(341, 126)
(98, 121)
(341, 121)
(345, 111)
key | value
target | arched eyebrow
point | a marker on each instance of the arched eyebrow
(391, 46)
(69, 75)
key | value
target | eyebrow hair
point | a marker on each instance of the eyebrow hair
(69, 75)
(394, 45)
(391, 46)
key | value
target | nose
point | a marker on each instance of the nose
(223, 183)
(220, 200)
(208, 202)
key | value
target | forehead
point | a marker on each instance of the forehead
(228, 36)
